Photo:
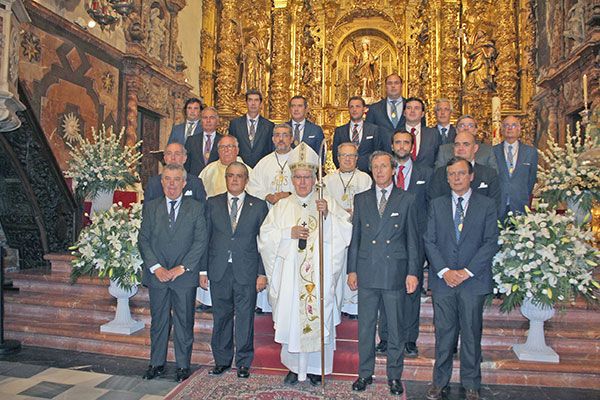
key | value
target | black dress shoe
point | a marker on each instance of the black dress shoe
(396, 387)
(258, 311)
(153, 372)
(315, 380)
(219, 369)
(182, 374)
(361, 384)
(291, 378)
(242, 372)
(381, 346)
(411, 349)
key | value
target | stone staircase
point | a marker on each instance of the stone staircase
(48, 311)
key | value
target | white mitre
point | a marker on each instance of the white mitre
(304, 157)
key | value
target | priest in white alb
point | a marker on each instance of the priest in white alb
(341, 186)
(289, 246)
(271, 180)
(213, 179)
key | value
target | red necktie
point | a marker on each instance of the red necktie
(413, 152)
(400, 178)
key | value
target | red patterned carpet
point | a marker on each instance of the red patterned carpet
(270, 387)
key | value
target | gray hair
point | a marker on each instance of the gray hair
(350, 144)
(238, 164)
(379, 153)
(179, 144)
(176, 167)
(466, 116)
(285, 126)
(443, 100)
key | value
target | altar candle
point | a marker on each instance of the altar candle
(585, 98)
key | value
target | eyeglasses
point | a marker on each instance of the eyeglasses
(512, 126)
(227, 146)
(347, 155)
(466, 125)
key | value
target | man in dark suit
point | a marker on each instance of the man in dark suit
(192, 126)
(484, 155)
(172, 240)
(485, 181)
(175, 153)
(412, 178)
(202, 149)
(461, 240)
(517, 166)
(363, 134)
(383, 264)
(302, 129)
(443, 112)
(388, 114)
(235, 270)
(253, 131)
(426, 140)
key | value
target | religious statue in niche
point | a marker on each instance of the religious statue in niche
(364, 69)
(575, 26)
(480, 60)
(252, 60)
(157, 32)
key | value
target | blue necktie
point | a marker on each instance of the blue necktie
(459, 216)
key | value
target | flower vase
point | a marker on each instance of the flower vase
(102, 202)
(123, 323)
(582, 216)
(535, 348)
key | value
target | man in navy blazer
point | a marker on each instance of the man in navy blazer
(443, 112)
(363, 134)
(388, 113)
(202, 149)
(383, 264)
(192, 125)
(253, 132)
(517, 168)
(175, 153)
(235, 270)
(172, 241)
(302, 129)
(461, 240)
(412, 178)
(427, 140)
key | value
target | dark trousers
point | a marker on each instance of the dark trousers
(172, 306)
(454, 312)
(233, 317)
(368, 304)
(411, 313)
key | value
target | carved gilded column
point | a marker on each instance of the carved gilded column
(280, 62)
(12, 15)
(507, 42)
(207, 44)
(226, 58)
(132, 86)
(449, 47)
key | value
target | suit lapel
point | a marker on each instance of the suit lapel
(500, 156)
(181, 215)
(245, 137)
(393, 197)
(246, 209)
(520, 156)
(470, 215)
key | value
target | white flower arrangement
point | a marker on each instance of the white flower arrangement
(565, 178)
(109, 247)
(545, 257)
(102, 164)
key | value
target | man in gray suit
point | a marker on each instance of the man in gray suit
(192, 125)
(443, 112)
(235, 270)
(363, 134)
(303, 129)
(517, 166)
(253, 131)
(484, 156)
(172, 240)
(426, 140)
(461, 240)
(383, 263)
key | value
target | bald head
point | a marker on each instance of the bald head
(511, 129)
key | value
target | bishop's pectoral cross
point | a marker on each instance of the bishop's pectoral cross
(304, 224)
(304, 205)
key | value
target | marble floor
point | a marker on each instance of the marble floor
(43, 373)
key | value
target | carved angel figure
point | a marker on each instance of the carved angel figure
(156, 33)
(364, 69)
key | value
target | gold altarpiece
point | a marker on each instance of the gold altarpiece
(466, 50)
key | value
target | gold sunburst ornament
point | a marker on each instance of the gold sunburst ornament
(71, 128)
